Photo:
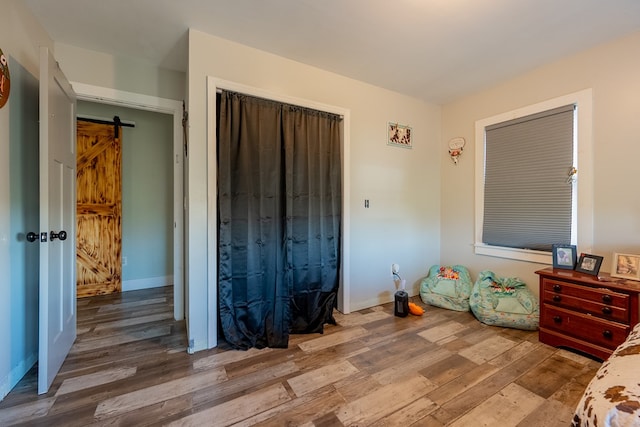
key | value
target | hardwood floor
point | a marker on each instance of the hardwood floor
(129, 367)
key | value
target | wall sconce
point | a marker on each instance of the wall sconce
(456, 145)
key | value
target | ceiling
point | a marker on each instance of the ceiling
(435, 50)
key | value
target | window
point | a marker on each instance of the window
(525, 200)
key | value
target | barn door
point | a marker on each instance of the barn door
(99, 209)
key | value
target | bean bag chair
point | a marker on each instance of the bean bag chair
(447, 287)
(504, 302)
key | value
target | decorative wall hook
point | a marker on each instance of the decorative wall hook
(456, 145)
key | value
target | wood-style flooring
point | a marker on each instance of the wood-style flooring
(129, 367)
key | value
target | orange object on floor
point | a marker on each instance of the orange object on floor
(415, 309)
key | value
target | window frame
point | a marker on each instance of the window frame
(582, 218)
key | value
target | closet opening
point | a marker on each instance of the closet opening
(279, 219)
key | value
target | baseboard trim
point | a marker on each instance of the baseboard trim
(16, 374)
(383, 298)
(148, 283)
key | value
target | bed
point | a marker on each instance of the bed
(612, 398)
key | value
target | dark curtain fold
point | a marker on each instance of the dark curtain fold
(313, 187)
(279, 210)
(254, 307)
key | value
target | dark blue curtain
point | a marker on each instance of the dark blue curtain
(279, 213)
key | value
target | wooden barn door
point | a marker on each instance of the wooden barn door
(99, 209)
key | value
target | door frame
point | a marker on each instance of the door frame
(102, 95)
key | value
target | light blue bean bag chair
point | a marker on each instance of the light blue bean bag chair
(447, 287)
(504, 302)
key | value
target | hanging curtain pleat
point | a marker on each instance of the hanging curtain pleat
(253, 303)
(313, 204)
(279, 209)
(528, 199)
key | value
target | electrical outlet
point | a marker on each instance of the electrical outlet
(395, 269)
(124, 261)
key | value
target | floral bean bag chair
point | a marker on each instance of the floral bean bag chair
(447, 287)
(505, 302)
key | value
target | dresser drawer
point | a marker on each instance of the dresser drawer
(583, 326)
(600, 295)
(606, 311)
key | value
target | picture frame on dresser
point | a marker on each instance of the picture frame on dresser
(564, 256)
(626, 266)
(589, 264)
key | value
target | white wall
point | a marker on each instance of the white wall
(402, 224)
(126, 74)
(612, 71)
(20, 38)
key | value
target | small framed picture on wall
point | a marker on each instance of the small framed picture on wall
(399, 135)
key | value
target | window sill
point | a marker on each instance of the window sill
(528, 255)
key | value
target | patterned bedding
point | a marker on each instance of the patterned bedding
(612, 398)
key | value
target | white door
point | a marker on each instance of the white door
(57, 322)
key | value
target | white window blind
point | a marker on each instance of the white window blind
(527, 195)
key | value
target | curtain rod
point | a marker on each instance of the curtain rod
(105, 121)
(219, 91)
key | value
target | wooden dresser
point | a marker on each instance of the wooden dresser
(587, 313)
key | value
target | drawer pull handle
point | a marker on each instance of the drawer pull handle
(557, 319)
(606, 310)
(558, 288)
(606, 298)
(607, 333)
(557, 298)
